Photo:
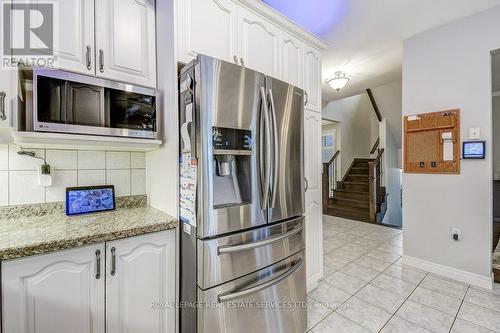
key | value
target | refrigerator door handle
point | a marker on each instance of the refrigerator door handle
(226, 297)
(274, 188)
(254, 245)
(264, 151)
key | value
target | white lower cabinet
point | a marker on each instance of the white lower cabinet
(140, 290)
(66, 291)
(60, 292)
(313, 197)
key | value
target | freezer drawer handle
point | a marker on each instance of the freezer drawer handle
(254, 245)
(227, 297)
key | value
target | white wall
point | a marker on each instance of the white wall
(392, 175)
(358, 127)
(162, 164)
(389, 98)
(19, 174)
(436, 68)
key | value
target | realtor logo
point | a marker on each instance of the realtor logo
(28, 34)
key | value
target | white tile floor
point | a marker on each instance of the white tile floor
(366, 288)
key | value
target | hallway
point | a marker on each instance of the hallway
(367, 289)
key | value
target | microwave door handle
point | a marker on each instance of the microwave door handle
(264, 150)
(274, 187)
(227, 297)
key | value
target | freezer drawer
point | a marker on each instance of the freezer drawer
(272, 300)
(227, 258)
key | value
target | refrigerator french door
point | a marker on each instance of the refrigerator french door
(241, 201)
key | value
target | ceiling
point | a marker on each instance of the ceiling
(365, 36)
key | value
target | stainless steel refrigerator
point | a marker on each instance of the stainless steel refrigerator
(241, 201)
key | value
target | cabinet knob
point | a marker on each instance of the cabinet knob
(307, 98)
(242, 62)
(101, 60)
(235, 59)
(2, 105)
(306, 184)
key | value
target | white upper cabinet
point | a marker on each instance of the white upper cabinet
(312, 78)
(55, 293)
(74, 45)
(207, 27)
(258, 44)
(312, 142)
(141, 271)
(125, 41)
(292, 60)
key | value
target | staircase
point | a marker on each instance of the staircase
(351, 199)
(359, 196)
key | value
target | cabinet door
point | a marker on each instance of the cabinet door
(292, 60)
(314, 217)
(207, 27)
(258, 43)
(312, 78)
(125, 41)
(55, 293)
(5, 98)
(140, 284)
(74, 44)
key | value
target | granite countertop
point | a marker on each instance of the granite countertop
(37, 229)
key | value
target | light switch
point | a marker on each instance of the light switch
(474, 133)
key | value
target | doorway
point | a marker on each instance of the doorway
(496, 163)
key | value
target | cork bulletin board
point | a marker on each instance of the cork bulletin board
(432, 143)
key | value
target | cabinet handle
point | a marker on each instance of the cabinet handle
(113, 261)
(235, 59)
(98, 264)
(88, 55)
(242, 62)
(307, 98)
(101, 60)
(2, 105)
(306, 184)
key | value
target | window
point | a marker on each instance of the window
(328, 147)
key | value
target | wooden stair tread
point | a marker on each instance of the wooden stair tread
(351, 201)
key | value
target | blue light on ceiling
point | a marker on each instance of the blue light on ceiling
(317, 16)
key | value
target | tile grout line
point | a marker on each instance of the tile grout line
(385, 242)
(406, 299)
(459, 308)
(364, 301)
(335, 310)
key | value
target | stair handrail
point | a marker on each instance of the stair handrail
(375, 146)
(329, 186)
(375, 185)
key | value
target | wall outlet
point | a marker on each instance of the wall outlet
(456, 234)
(474, 133)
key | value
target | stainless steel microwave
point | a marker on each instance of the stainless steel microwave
(65, 102)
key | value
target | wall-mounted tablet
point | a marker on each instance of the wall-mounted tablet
(89, 199)
(474, 150)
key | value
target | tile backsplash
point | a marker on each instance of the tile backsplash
(19, 175)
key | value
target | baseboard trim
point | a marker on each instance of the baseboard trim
(450, 272)
(312, 282)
